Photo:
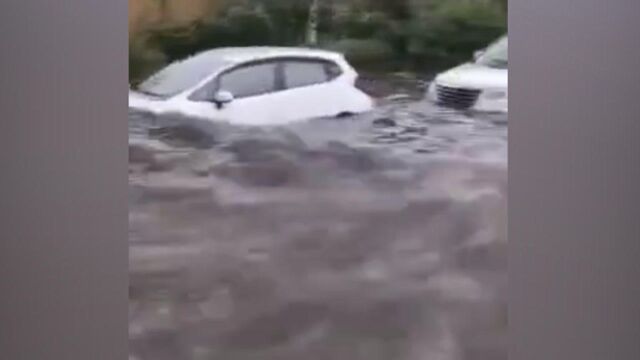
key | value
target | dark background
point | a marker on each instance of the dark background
(573, 180)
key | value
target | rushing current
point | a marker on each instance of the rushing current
(378, 237)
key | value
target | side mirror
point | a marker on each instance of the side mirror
(477, 54)
(222, 98)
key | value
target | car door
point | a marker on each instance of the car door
(309, 90)
(253, 86)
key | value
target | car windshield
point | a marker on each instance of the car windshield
(496, 55)
(181, 75)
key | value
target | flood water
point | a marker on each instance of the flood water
(377, 237)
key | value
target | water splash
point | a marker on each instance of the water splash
(377, 237)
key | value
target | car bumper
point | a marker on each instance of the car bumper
(491, 106)
(482, 104)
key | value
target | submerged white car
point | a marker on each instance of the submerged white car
(481, 85)
(254, 86)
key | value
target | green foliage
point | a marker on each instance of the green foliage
(143, 59)
(238, 27)
(288, 19)
(396, 9)
(451, 30)
(363, 25)
(363, 51)
(429, 34)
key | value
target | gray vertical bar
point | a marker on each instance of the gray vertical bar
(63, 199)
(573, 150)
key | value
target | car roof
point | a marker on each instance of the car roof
(236, 55)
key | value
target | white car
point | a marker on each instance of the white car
(254, 86)
(481, 85)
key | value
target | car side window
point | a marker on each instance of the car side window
(333, 70)
(300, 73)
(251, 80)
(206, 92)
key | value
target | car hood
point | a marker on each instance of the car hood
(474, 76)
(136, 95)
(143, 101)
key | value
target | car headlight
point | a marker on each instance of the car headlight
(495, 94)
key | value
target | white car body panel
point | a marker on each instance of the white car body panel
(475, 76)
(492, 82)
(320, 100)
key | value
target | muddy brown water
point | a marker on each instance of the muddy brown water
(376, 237)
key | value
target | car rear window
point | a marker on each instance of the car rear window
(250, 80)
(300, 73)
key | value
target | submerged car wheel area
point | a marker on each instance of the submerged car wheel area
(481, 85)
(254, 86)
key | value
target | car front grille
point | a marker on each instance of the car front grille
(457, 98)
